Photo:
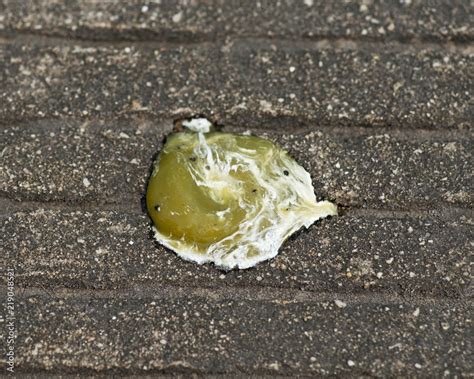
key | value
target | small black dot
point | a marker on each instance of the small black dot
(286, 172)
(254, 190)
(207, 167)
(157, 207)
(192, 159)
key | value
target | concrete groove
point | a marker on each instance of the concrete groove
(460, 46)
(419, 134)
(9, 206)
(156, 121)
(124, 205)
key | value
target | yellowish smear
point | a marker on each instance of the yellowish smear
(229, 199)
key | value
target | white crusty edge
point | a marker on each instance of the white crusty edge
(327, 209)
(198, 125)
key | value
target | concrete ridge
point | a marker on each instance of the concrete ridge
(245, 293)
(347, 254)
(328, 86)
(342, 163)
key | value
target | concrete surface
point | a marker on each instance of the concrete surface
(407, 255)
(50, 160)
(204, 334)
(373, 98)
(240, 82)
(190, 21)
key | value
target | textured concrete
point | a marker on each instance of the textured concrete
(240, 82)
(201, 334)
(97, 162)
(187, 21)
(348, 254)
(373, 98)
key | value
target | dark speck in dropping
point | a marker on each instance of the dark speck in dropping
(193, 159)
(157, 207)
(254, 190)
(207, 167)
(286, 173)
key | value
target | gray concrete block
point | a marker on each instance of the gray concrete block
(207, 335)
(240, 82)
(409, 256)
(204, 20)
(109, 163)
